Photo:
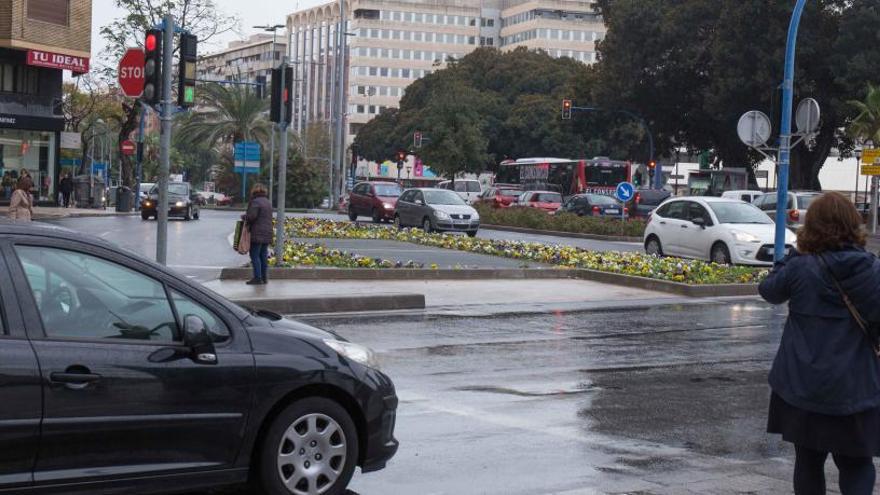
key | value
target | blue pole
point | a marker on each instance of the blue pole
(785, 131)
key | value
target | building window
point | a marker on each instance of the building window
(19, 79)
(360, 109)
(52, 11)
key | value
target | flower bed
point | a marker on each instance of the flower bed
(305, 254)
(636, 264)
(532, 218)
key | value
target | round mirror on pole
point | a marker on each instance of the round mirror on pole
(754, 129)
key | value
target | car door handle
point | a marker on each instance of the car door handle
(684, 226)
(662, 223)
(74, 378)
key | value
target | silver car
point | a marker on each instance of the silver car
(796, 209)
(437, 210)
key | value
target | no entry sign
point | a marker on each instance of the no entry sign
(127, 147)
(131, 72)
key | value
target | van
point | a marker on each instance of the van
(469, 189)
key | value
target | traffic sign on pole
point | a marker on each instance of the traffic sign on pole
(127, 147)
(131, 72)
(870, 157)
(625, 191)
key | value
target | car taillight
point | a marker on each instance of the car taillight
(638, 198)
(626, 210)
(794, 215)
(595, 209)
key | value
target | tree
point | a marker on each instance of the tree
(708, 62)
(228, 114)
(199, 17)
(866, 125)
(86, 101)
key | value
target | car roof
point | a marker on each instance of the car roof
(703, 199)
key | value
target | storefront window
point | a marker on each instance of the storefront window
(33, 151)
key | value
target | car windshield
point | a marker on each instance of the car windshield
(442, 197)
(388, 190)
(599, 199)
(176, 189)
(739, 213)
(547, 198)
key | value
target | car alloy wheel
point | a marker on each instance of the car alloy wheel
(720, 254)
(426, 225)
(653, 247)
(351, 214)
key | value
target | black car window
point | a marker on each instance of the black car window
(387, 190)
(185, 306)
(676, 210)
(696, 210)
(418, 196)
(82, 296)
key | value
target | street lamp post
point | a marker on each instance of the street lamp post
(858, 170)
(273, 28)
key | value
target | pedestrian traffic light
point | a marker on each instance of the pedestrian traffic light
(282, 103)
(401, 157)
(566, 109)
(417, 139)
(152, 67)
(186, 75)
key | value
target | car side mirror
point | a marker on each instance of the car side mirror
(701, 222)
(420, 202)
(197, 338)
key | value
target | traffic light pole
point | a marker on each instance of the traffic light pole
(165, 141)
(281, 196)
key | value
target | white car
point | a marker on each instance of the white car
(744, 195)
(468, 189)
(722, 230)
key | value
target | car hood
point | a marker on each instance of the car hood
(455, 209)
(276, 321)
(765, 232)
(388, 199)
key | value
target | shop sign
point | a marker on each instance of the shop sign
(58, 61)
(71, 140)
(31, 123)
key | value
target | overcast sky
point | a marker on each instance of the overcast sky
(251, 13)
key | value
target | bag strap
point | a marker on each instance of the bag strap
(857, 316)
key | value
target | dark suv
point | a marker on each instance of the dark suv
(120, 376)
(182, 202)
(374, 199)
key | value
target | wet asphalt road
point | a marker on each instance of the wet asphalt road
(665, 400)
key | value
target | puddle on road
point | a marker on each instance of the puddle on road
(585, 389)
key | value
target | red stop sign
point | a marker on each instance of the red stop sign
(127, 147)
(131, 72)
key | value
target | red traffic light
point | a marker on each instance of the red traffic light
(150, 42)
(652, 164)
(566, 104)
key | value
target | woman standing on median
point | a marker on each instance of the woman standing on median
(21, 204)
(826, 375)
(259, 221)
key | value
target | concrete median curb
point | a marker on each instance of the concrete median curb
(718, 290)
(336, 304)
(556, 233)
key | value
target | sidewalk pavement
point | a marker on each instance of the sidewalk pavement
(462, 297)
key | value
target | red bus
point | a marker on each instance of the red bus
(600, 175)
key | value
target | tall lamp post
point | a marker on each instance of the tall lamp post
(273, 28)
(858, 174)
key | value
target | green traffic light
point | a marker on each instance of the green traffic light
(189, 94)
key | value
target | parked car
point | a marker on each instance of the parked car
(543, 200)
(470, 190)
(437, 210)
(374, 199)
(647, 200)
(499, 196)
(594, 205)
(182, 202)
(796, 208)
(744, 195)
(146, 382)
(722, 230)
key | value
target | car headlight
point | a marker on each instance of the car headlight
(355, 352)
(442, 215)
(148, 203)
(388, 206)
(744, 236)
(179, 204)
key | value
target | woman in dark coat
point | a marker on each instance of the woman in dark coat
(259, 221)
(826, 375)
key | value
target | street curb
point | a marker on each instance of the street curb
(84, 215)
(337, 304)
(556, 233)
(400, 274)
(392, 274)
(242, 209)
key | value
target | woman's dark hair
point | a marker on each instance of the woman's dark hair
(832, 222)
(259, 190)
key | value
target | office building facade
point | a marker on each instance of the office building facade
(250, 60)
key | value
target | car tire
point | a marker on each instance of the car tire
(472, 233)
(145, 216)
(720, 255)
(189, 214)
(397, 222)
(653, 246)
(197, 215)
(314, 435)
(426, 225)
(351, 214)
(377, 217)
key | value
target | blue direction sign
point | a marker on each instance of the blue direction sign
(625, 191)
(247, 157)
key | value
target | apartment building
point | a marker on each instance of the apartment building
(391, 43)
(250, 60)
(39, 40)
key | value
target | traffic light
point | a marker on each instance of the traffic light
(282, 96)
(417, 139)
(401, 158)
(186, 75)
(152, 67)
(566, 109)
(652, 165)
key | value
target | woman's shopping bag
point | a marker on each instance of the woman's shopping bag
(242, 239)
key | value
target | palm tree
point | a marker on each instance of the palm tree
(866, 126)
(228, 114)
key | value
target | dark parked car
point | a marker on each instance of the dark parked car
(438, 210)
(647, 200)
(182, 202)
(594, 205)
(375, 199)
(120, 376)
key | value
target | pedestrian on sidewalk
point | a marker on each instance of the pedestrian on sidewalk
(8, 183)
(21, 205)
(259, 221)
(825, 379)
(66, 187)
